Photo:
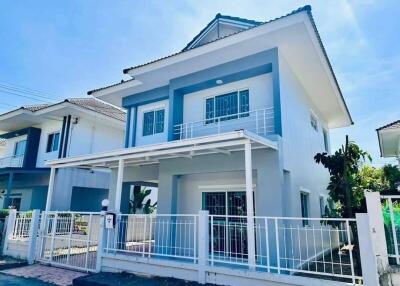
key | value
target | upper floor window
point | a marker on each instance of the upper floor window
(153, 122)
(305, 208)
(314, 122)
(53, 141)
(227, 106)
(326, 140)
(19, 149)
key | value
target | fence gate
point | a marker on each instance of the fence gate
(69, 239)
(391, 218)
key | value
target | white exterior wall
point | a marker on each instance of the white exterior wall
(260, 96)
(91, 136)
(155, 138)
(300, 143)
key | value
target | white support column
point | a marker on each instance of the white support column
(249, 206)
(368, 259)
(51, 188)
(377, 229)
(12, 215)
(33, 230)
(118, 189)
(203, 245)
(101, 241)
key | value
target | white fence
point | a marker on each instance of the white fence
(290, 246)
(162, 235)
(69, 239)
(22, 226)
(260, 121)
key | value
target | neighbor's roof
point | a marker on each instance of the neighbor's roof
(92, 104)
(393, 125)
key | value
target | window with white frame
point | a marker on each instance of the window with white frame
(53, 141)
(227, 106)
(153, 122)
(20, 147)
(314, 122)
(305, 207)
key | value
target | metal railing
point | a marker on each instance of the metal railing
(259, 121)
(286, 245)
(391, 218)
(155, 235)
(313, 247)
(69, 239)
(22, 226)
(12, 161)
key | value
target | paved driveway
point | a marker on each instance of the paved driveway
(56, 276)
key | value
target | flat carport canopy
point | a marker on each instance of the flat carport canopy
(152, 154)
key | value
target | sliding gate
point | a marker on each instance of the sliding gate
(69, 239)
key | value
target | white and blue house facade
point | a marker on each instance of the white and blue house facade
(229, 125)
(35, 134)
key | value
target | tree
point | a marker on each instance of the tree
(343, 167)
(370, 178)
(392, 175)
(137, 203)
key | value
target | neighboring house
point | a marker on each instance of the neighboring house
(389, 140)
(35, 134)
(240, 87)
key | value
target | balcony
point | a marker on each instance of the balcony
(15, 161)
(260, 122)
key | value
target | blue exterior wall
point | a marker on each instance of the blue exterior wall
(246, 67)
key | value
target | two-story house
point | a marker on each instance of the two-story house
(229, 125)
(35, 134)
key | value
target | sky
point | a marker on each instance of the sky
(65, 48)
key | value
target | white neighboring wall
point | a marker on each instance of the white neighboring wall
(300, 144)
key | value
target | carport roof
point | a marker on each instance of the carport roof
(151, 154)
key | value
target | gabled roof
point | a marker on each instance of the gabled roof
(299, 10)
(92, 104)
(246, 24)
(393, 125)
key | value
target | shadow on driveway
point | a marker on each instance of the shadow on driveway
(10, 280)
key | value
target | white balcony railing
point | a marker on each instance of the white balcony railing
(12, 161)
(260, 121)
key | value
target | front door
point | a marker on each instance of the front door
(228, 233)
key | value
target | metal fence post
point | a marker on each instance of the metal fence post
(33, 231)
(203, 241)
(12, 215)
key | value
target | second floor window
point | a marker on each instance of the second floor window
(53, 141)
(326, 140)
(314, 122)
(227, 106)
(19, 149)
(153, 122)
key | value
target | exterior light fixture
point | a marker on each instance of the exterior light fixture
(219, 81)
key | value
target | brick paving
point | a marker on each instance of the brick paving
(54, 275)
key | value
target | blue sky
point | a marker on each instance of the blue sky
(66, 48)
